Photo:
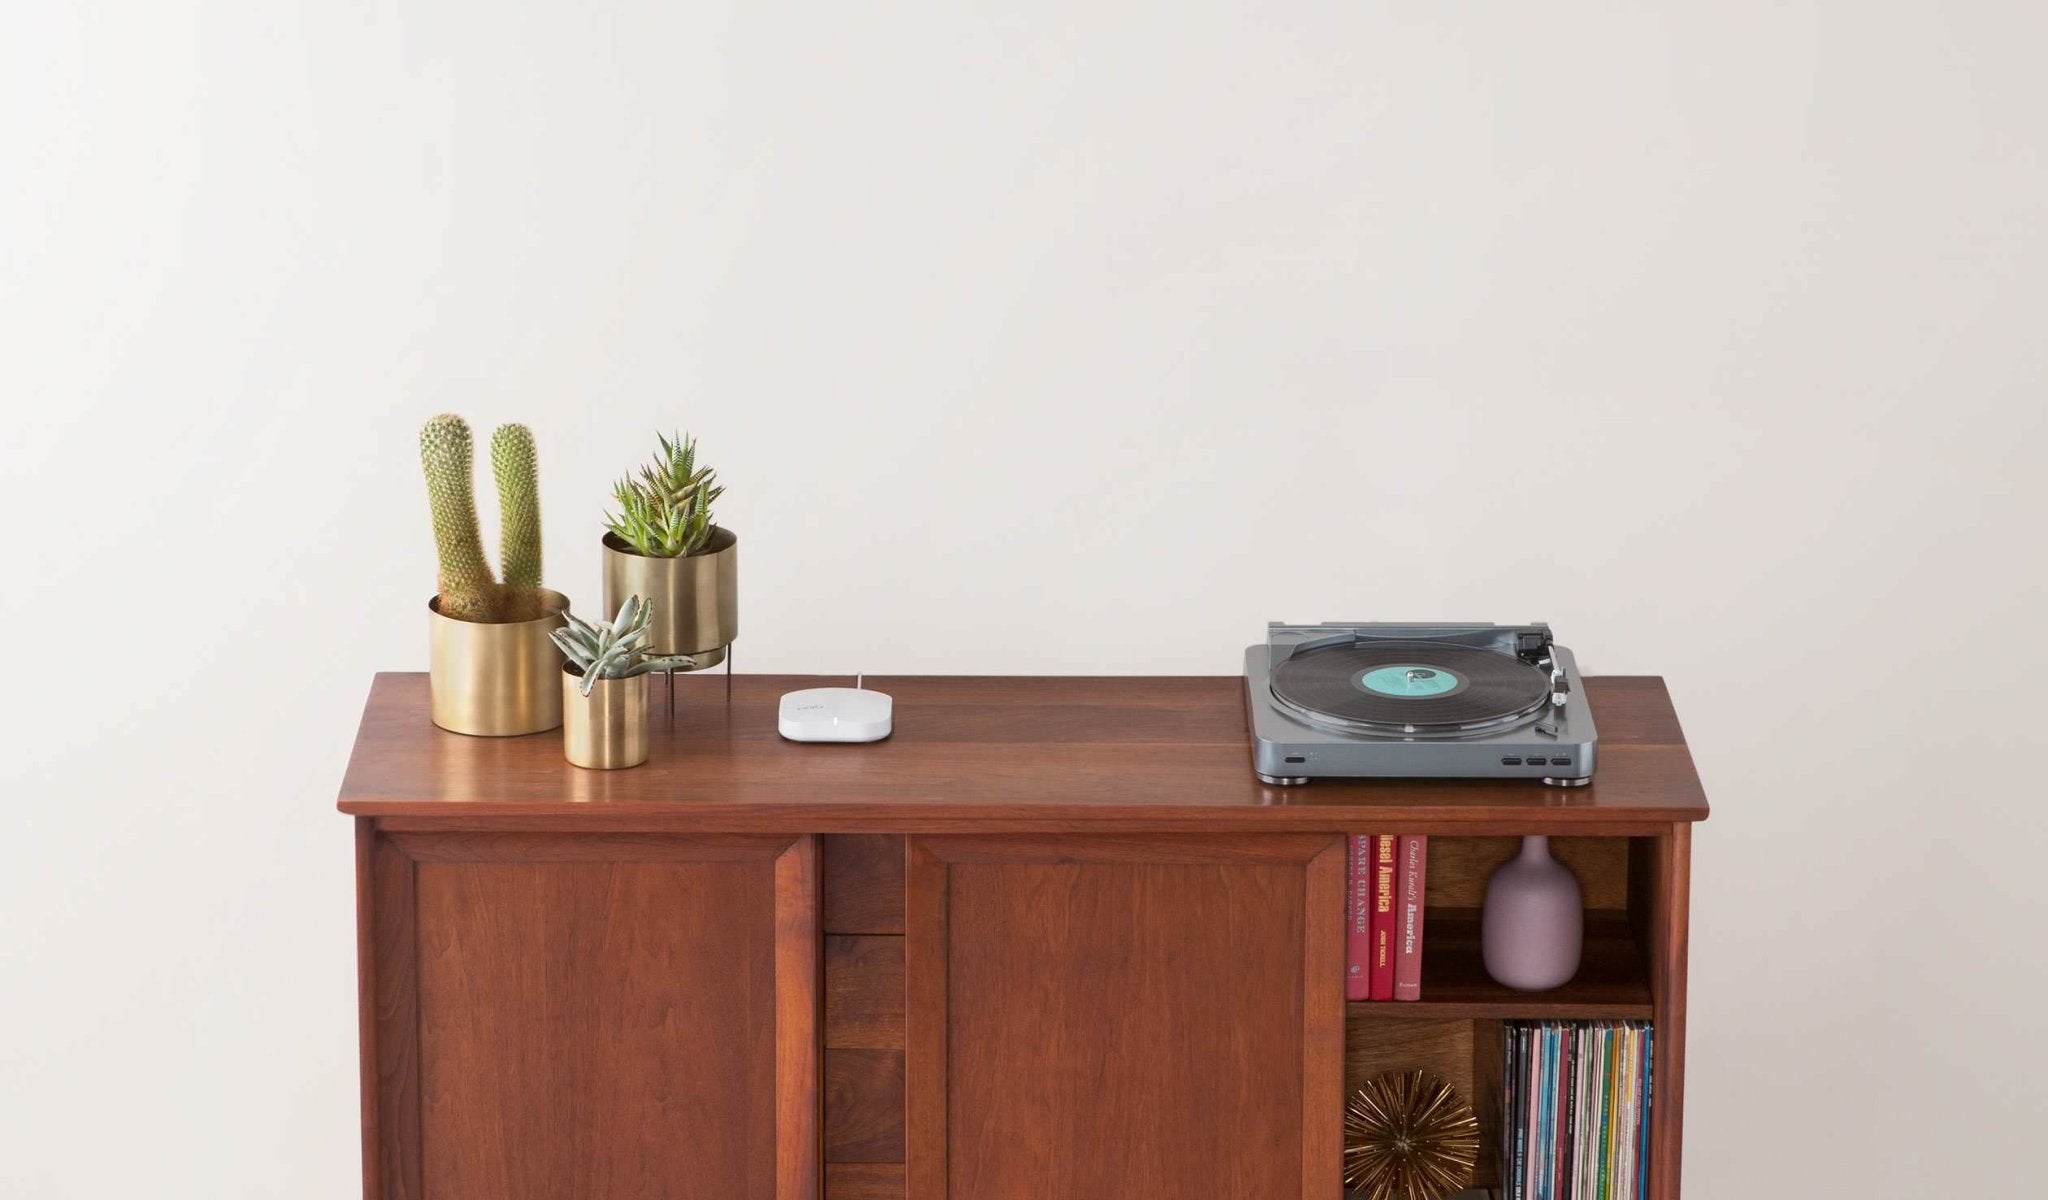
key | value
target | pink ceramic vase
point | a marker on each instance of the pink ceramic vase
(1534, 923)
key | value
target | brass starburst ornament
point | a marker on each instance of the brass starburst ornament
(1408, 1136)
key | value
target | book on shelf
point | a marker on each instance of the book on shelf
(1385, 904)
(1576, 1114)
(1410, 889)
(1358, 917)
(1385, 866)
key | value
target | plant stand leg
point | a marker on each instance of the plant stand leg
(728, 674)
(671, 673)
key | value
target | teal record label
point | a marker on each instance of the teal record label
(1408, 679)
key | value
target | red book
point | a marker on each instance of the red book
(1384, 867)
(1357, 916)
(1410, 889)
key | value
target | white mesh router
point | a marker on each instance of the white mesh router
(836, 714)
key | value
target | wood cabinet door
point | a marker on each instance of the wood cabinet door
(604, 1017)
(1105, 1017)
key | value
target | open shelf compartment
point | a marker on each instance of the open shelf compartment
(1613, 979)
(1455, 1030)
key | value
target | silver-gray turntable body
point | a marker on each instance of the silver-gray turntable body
(1399, 700)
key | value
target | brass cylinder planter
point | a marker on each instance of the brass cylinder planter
(607, 729)
(495, 679)
(696, 598)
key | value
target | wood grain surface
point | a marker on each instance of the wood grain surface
(864, 992)
(863, 882)
(1021, 754)
(864, 1181)
(1441, 1047)
(612, 1019)
(386, 907)
(1459, 868)
(1670, 885)
(863, 1106)
(1611, 982)
(1124, 1017)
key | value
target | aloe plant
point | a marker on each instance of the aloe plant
(617, 650)
(469, 592)
(666, 511)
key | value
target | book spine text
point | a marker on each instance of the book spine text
(1358, 918)
(1413, 884)
(1385, 864)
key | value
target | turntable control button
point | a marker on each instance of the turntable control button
(1514, 762)
(1560, 762)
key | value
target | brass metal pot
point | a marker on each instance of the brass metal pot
(495, 678)
(696, 598)
(607, 729)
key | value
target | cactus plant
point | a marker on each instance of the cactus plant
(615, 651)
(666, 512)
(517, 468)
(469, 592)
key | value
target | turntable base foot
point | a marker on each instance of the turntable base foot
(1549, 781)
(1281, 780)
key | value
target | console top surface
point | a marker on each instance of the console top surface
(987, 754)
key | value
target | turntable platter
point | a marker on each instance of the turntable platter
(1410, 686)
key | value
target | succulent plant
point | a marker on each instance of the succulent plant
(469, 592)
(666, 511)
(614, 651)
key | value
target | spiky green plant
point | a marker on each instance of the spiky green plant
(666, 511)
(517, 468)
(469, 592)
(614, 651)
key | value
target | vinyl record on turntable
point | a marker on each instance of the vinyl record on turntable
(1410, 685)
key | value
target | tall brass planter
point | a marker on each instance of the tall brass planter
(607, 729)
(696, 598)
(496, 679)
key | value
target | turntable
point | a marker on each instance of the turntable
(1416, 701)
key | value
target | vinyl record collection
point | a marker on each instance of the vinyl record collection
(1575, 1124)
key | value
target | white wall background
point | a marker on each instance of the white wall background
(1062, 337)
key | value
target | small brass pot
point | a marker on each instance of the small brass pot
(495, 678)
(696, 597)
(607, 729)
